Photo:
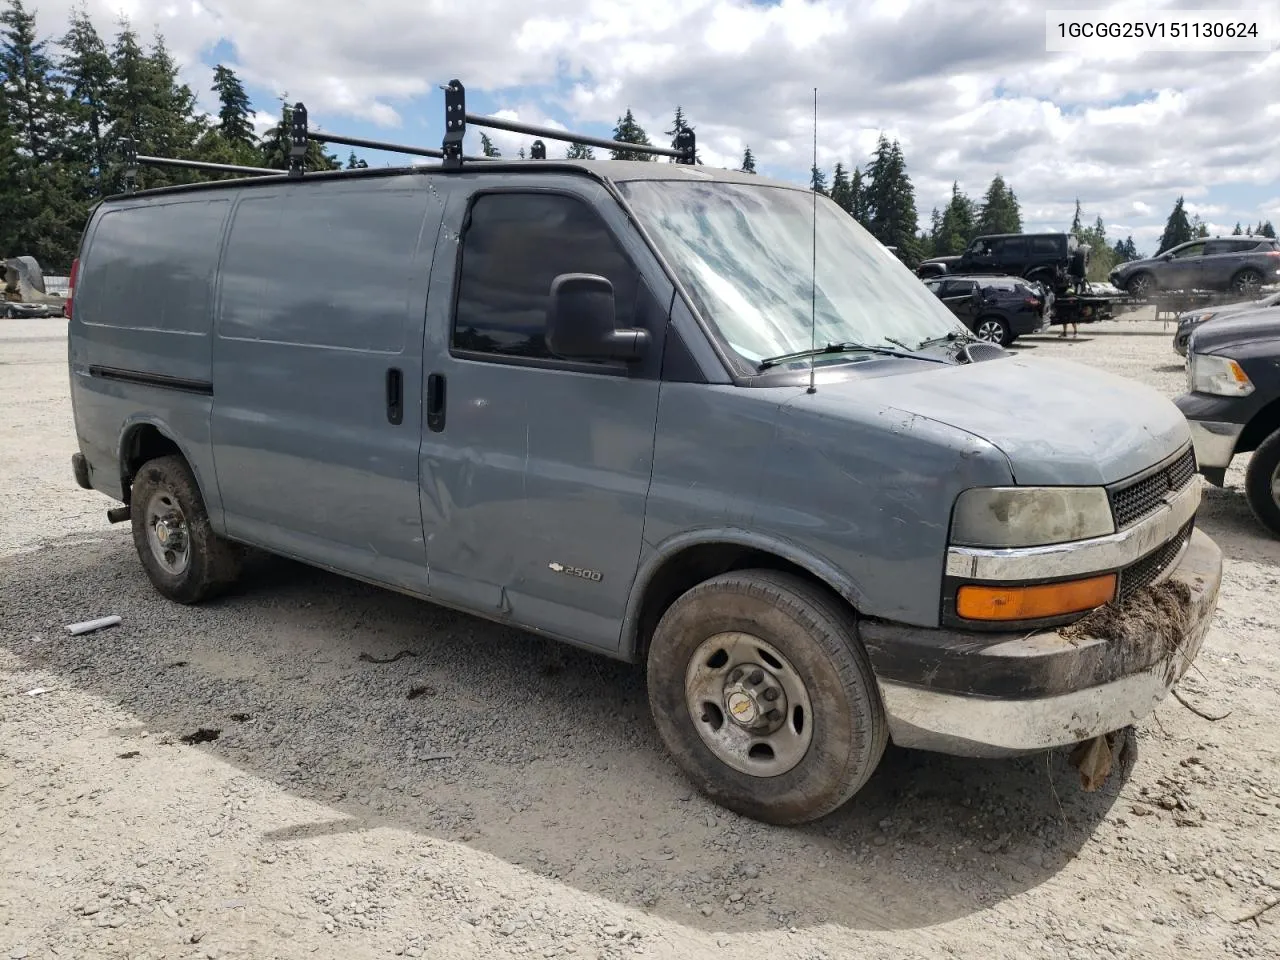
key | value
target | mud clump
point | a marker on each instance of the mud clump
(1162, 612)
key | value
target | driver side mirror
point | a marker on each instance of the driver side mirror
(582, 321)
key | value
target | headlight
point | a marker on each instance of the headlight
(1220, 376)
(1030, 516)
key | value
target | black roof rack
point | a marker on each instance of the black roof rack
(450, 152)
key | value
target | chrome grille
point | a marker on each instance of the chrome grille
(1144, 572)
(1143, 496)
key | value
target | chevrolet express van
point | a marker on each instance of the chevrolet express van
(616, 403)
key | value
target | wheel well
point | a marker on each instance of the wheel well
(1264, 423)
(142, 443)
(695, 565)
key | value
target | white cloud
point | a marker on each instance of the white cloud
(968, 91)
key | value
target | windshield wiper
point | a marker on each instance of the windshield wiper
(945, 338)
(846, 347)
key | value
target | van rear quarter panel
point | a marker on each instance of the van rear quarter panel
(143, 312)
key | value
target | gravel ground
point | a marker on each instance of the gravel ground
(238, 781)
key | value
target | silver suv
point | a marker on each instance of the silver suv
(1239, 264)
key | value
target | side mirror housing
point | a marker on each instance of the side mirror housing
(582, 322)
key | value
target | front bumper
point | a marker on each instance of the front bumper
(1215, 442)
(979, 695)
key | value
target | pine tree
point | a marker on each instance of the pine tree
(275, 146)
(235, 113)
(748, 161)
(840, 192)
(890, 200)
(858, 196)
(1177, 228)
(628, 131)
(579, 151)
(85, 71)
(818, 180)
(487, 148)
(1076, 226)
(999, 211)
(355, 163)
(41, 210)
(10, 201)
(1268, 230)
(1125, 250)
(957, 224)
(1237, 232)
(1248, 231)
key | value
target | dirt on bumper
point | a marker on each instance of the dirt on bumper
(982, 695)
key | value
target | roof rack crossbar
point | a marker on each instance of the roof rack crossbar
(202, 165)
(322, 137)
(568, 136)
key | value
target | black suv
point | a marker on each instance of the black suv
(997, 309)
(1233, 404)
(1057, 260)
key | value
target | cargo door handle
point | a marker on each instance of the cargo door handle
(395, 396)
(435, 402)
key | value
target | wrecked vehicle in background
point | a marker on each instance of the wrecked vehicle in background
(24, 291)
(1189, 320)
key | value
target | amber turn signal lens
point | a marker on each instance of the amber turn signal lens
(975, 602)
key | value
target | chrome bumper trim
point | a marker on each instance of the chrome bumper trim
(1079, 557)
(1215, 442)
(970, 726)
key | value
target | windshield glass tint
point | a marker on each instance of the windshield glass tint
(745, 255)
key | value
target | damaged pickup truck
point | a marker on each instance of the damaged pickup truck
(583, 398)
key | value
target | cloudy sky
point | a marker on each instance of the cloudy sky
(966, 85)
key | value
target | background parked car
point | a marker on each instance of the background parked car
(996, 309)
(1233, 404)
(1191, 319)
(1239, 264)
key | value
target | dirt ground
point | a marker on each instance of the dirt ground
(492, 794)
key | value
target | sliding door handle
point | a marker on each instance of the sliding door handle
(435, 402)
(395, 396)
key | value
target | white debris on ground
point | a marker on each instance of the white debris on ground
(236, 781)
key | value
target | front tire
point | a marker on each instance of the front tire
(764, 697)
(1262, 483)
(184, 559)
(1141, 285)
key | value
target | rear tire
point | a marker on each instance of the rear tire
(759, 643)
(993, 330)
(1246, 282)
(1262, 483)
(184, 559)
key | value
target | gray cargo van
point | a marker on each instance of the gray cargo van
(583, 398)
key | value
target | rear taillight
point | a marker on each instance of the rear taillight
(1031, 302)
(71, 288)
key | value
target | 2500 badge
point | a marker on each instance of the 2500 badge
(581, 572)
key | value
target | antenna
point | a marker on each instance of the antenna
(813, 275)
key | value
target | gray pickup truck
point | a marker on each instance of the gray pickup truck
(614, 403)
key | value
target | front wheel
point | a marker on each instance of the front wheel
(764, 697)
(993, 330)
(184, 559)
(1262, 483)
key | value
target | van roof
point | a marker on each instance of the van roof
(615, 171)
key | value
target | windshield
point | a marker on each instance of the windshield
(745, 255)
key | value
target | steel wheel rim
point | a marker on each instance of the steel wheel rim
(167, 533)
(733, 684)
(990, 331)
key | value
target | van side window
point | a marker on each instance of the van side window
(513, 246)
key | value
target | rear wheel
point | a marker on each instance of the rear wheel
(764, 697)
(1262, 483)
(993, 330)
(1246, 282)
(184, 559)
